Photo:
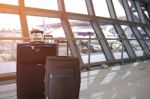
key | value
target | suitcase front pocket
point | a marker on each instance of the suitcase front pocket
(61, 85)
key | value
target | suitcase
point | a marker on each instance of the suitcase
(31, 59)
(62, 77)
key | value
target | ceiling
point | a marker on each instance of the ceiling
(145, 1)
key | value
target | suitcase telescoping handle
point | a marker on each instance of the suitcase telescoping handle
(37, 36)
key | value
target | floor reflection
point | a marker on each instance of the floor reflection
(129, 81)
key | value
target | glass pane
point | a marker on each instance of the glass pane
(44, 4)
(96, 53)
(134, 11)
(144, 9)
(143, 33)
(63, 49)
(113, 41)
(136, 47)
(128, 32)
(8, 50)
(117, 48)
(90, 50)
(53, 31)
(146, 13)
(82, 29)
(101, 8)
(76, 6)
(10, 25)
(119, 10)
(148, 43)
(109, 31)
(14, 2)
(134, 43)
(83, 49)
(51, 26)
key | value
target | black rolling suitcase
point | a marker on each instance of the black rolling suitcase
(62, 77)
(31, 68)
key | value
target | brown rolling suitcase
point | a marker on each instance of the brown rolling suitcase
(31, 59)
(62, 77)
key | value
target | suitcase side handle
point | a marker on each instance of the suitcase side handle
(37, 42)
(36, 31)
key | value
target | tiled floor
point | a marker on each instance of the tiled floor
(129, 81)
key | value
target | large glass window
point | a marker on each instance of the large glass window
(14, 2)
(53, 31)
(76, 6)
(10, 25)
(50, 26)
(145, 12)
(109, 31)
(113, 40)
(133, 41)
(119, 10)
(101, 8)
(144, 35)
(9, 28)
(88, 45)
(134, 11)
(8, 50)
(44, 4)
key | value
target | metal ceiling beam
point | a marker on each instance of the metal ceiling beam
(43, 13)
(9, 9)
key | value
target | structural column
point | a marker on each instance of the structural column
(120, 32)
(140, 12)
(68, 32)
(99, 33)
(148, 10)
(23, 19)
